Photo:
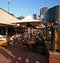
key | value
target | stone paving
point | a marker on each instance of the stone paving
(20, 54)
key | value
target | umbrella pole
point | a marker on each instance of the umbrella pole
(6, 28)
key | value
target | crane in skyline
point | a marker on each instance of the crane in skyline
(9, 5)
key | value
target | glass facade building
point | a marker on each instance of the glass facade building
(53, 15)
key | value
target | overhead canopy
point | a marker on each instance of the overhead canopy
(27, 19)
(6, 18)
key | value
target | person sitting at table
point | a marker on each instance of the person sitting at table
(40, 42)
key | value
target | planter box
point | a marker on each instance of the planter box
(54, 57)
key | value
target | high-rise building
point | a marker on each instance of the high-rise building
(53, 15)
(43, 13)
(34, 16)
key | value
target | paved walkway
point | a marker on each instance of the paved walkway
(20, 54)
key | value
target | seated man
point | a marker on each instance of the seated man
(40, 43)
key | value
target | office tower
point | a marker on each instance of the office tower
(43, 13)
(53, 15)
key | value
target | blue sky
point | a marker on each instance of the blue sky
(27, 7)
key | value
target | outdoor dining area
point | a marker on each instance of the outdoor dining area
(27, 33)
(32, 38)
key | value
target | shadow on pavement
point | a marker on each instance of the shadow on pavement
(20, 54)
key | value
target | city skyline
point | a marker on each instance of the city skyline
(27, 7)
